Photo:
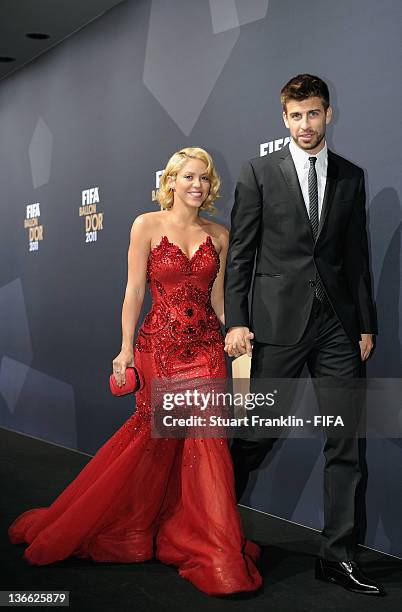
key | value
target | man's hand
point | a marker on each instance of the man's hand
(366, 346)
(238, 341)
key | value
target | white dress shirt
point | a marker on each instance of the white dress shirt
(301, 161)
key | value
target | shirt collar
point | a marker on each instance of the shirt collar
(300, 157)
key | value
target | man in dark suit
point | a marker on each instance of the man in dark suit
(299, 217)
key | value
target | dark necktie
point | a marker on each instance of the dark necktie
(313, 214)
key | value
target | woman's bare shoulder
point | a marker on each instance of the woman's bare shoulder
(148, 218)
(217, 231)
(146, 222)
(214, 228)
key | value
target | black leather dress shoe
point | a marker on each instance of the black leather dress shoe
(348, 575)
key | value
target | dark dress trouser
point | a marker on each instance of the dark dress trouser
(328, 352)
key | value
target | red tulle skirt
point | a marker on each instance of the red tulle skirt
(141, 497)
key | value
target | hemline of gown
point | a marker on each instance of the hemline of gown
(213, 580)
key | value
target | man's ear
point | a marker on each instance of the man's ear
(285, 119)
(328, 115)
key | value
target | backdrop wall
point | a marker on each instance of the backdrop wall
(92, 122)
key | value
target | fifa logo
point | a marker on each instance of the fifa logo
(88, 209)
(35, 231)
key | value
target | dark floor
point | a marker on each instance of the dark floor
(33, 472)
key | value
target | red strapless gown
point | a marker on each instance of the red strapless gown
(141, 497)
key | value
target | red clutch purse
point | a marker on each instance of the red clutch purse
(134, 382)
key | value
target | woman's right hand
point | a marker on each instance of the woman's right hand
(124, 360)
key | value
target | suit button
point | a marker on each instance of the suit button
(312, 283)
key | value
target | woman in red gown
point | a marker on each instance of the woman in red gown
(140, 496)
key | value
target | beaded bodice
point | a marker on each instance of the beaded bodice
(181, 324)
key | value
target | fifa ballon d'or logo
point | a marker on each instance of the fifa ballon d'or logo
(89, 210)
(31, 223)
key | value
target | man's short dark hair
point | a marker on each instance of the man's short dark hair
(305, 86)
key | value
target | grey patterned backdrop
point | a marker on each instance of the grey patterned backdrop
(104, 111)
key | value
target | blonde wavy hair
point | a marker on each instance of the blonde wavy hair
(174, 165)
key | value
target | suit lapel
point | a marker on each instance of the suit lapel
(288, 170)
(330, 185)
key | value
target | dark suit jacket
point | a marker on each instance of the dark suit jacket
(270, 226)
